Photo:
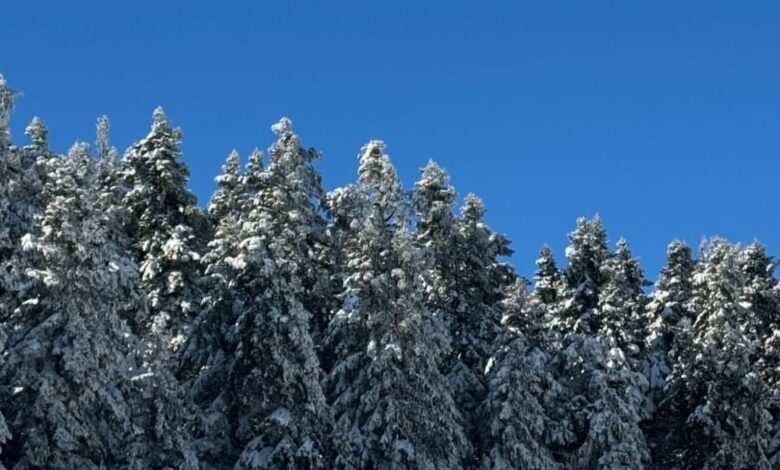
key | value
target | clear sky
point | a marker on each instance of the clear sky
(664, 117)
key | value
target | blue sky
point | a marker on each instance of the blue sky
(664, 117)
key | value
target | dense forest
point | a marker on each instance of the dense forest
(370, 327)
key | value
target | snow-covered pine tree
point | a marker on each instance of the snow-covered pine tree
(762, 290)
(250, 362)
(21, 175)
(253, 176)
(436, 230)
(547, 279)
(513, 417)
(720, 398)
(110, 187)
(393, 407)
(595, 417)
(168, 229)
(582, 278)
(622, 300)
(477, 288)
(231, 197)
(668, 315)
(66, 374)
(290, 198)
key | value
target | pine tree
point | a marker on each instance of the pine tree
(21, 173)
(67, 367)
(716, 390)
(582, 277)
(475, 316)
(168, 229)
(250, 362)
(547, 279)
(668, 315)
(622, 301)
(392, 406)
(38, 133)
(436, 231)
(513, 414)
(762, 290)
(595, 417)
(110, 188)
(290, 199)
(253, 176)
(230, 198)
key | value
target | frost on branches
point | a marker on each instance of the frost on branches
(367, 327)
(393, 408)
(167, 229)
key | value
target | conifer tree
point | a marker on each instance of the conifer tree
(168, 229)
(20, 201)
(66, 374)
(622, 301)
(716, 390)
(110, 188)
(513, 415)
(253, 176)
(762, 290)
(582, 277)
(290, 198)
(250, 362)
(668, 315)
(547, 279)
(436, 230)
(230, 198)
(475, 323)
(595, 417)
(392, 406)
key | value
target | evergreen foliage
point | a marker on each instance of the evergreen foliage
(367, 327)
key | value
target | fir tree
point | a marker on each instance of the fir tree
(230, 198)
(513, 414)
(475, 323)
(290, 199)
(622, 301)
(669, 315)
(547, 279)
(69, 358)
(595, 417)
(392, 406)
(253, 176)
(582, 277)
(167, 229)
(716, 391)
(250, 363)
(110, 188)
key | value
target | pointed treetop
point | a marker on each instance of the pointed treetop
(283, 127)
(545, 256)
(253, 179)
(473, 209)
(159, 118)
(434, 184)
(756, 263)
(547, 276)
(623, 250)
(103, 145)
(255, 163)
(377, 172)
(232, 163)
(38, 133)
(677, 249)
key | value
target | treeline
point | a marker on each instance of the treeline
(370, 327)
